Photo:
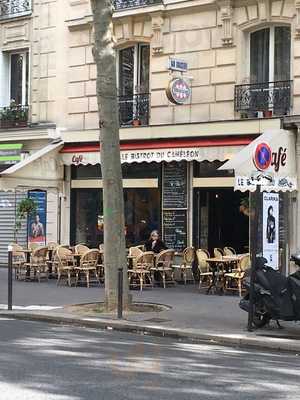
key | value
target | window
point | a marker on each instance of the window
(270, 54)
(269, 88)
(19, 78)
(133, 83)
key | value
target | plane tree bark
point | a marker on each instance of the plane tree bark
(113, 201)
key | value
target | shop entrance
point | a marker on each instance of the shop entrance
(218, 220)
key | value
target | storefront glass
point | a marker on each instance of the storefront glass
(219, 221)
(142, 214)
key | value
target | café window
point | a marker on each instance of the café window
(208, 169)
(129, 171)
(141, 208)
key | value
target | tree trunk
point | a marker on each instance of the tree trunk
(113, 201)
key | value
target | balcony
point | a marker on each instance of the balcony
(126, 4)
(14, 8)
(134, 110)
(268, 98)
(14, 116)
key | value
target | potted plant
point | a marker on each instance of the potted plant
(244, 206)
(25, 208)
(14, 115)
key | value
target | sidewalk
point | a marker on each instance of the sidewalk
(191, 315)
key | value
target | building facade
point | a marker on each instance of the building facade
(243, 73)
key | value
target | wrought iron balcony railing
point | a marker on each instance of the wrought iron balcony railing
(134, 109)
(14, 8)
(125, 4)
(14, 116)
(272, 97)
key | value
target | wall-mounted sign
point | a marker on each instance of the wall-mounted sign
(10, 153)
(177, 65)
(178, 91)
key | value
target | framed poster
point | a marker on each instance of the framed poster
(36, 223)
(271, 229)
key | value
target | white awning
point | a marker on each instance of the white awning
(41, 169)
(212, 153)
(270, 161)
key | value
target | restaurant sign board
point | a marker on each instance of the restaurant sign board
(178, 91)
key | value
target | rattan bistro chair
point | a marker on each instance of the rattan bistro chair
(188, 256)
(229, 251)
(65, 264)
(88, 267)
(81, 249)
(218, 253)
(19, 260)
(205, 273)
(38, 263)
(142, 269)
(234, 280)
(164, 261)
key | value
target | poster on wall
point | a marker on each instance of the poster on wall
(36, 225)
(271, 229)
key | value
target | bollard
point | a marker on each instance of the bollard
(120, 293)
(9, 280)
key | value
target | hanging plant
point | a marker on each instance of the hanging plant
(244, 206)
(25, 207)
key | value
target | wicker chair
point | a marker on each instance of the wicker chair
(65, 264)
(205, 273)
(32, 246)
(134, 253)
(88, 266)
(229, 251)
(81, 249)
(38, 262)
(142, 270)
(164, 261)
(19, 260)
(218, 253)
(234, 280)
(187, 263)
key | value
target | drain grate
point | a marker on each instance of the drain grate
(158, 320)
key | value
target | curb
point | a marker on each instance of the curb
(272, 344)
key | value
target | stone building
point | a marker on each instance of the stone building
(242, 78)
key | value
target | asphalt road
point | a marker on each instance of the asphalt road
(54, 362)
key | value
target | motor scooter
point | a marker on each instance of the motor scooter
(276, 297)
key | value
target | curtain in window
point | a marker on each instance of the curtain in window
(282, 53)
(126, 71)
(259, 56)
(144, 69)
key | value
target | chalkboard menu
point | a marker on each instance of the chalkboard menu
(175, 185)
(175, 229)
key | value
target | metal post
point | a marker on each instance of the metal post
(120, 293)
(253, 238)
(9, 280)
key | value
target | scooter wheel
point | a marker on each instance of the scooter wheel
(260, 320)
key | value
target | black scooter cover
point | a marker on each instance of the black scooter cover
(280, 304)
(294, 287)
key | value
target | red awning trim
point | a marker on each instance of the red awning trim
(161, 144)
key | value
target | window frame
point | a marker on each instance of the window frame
(137, 54)
(271, 49)
(25, 67)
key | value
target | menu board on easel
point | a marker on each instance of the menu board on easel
(175, 203)
(175, 185)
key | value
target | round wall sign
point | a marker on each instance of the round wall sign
(262, 156)
(178, 91)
